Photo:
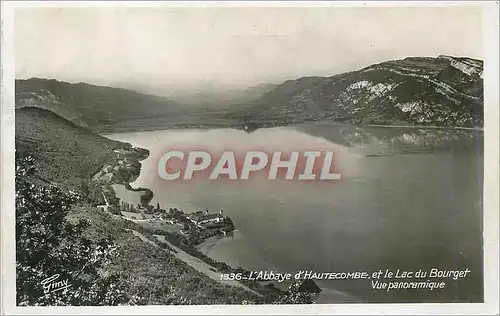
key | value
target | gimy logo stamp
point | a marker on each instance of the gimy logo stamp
(51, 284)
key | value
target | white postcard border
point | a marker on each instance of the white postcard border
(491, 180)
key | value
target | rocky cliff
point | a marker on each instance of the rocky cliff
(444, 91)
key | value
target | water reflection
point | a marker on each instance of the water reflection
(373, 140)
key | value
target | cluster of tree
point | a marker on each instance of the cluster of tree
(176, 213)
(272, 295)
(128, 207)
(300, 292)
(141, 153)
(110, 195)
(146, 197)
(163, 279)
(123, 175)
(92, 192)
(49, 245)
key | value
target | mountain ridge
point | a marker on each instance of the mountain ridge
(91, 105)
(420, 91)
(444, 91)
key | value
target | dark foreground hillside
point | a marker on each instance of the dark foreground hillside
(58, 233)
(64, 152)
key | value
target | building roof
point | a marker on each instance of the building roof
(470, 61)
(200, 217)
(121, 151)
(208, 217)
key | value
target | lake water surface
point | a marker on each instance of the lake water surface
(410, 199)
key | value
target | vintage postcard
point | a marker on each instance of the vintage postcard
(249, 157)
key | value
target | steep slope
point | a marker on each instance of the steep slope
(444, 91)
(64, 151)
(93, 106)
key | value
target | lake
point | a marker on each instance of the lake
(410, 198)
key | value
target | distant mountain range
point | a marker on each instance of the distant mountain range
(92, 106)
(414, 91)
(222, 97)
(108, 109)
(443, 91)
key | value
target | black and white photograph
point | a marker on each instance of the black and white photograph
(249, 155)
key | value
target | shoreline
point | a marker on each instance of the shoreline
(206, 245)
(123, 169)
(425, 126)
(123, 130)
(197, 255)
(326, 296)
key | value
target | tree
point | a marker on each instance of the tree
(114, 210)
(229, 222)
(146, 197)
(295, 295)
(92, 192)
(48, 245)
(110, 195)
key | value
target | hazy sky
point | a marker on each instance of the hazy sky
(189, 46)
